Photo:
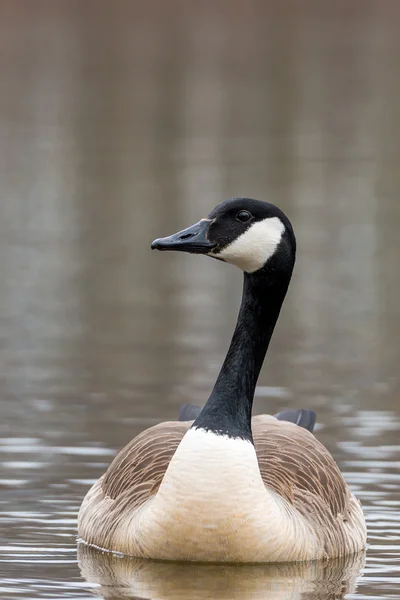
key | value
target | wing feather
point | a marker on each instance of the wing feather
(293, 461)
(141, 465)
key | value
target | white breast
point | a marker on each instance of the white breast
(213, 505)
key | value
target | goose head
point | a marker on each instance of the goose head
(250, 234)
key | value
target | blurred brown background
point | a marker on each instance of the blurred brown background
(124, 121)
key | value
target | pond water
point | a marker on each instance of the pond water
(121, 122)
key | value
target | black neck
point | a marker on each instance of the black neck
(228, 410)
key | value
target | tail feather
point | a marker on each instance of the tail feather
(302, 417)
(189, 412)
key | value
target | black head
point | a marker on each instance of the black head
(241, 231)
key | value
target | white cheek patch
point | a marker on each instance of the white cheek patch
(251, 250)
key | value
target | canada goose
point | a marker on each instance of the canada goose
(228, 488)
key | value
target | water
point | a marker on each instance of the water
(126, 121)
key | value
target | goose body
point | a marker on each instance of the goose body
(225, 487)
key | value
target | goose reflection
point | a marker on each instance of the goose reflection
(130, 578)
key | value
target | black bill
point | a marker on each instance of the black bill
(193, 239)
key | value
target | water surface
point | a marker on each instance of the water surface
(121, 123)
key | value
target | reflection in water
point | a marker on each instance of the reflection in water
(122, 121)
(134, 578)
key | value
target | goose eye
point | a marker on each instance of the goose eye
(243, 216)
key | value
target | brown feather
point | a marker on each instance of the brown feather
(292, 462)
(144, 461)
